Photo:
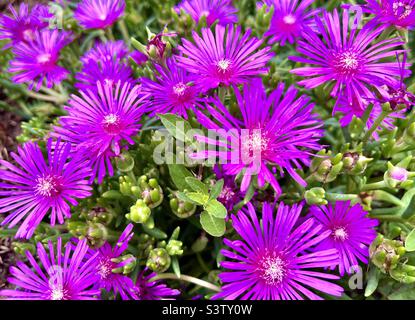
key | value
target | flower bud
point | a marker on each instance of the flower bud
(181, 208)
(326, 168)
(355, 163)
(315, 196)
(158, 260)
(128, 263)
(139, 213)
(386, 253)
(174, 247)
(397, 177)
(200, 244)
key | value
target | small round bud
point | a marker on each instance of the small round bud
(158, 260)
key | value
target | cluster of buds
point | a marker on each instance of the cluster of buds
(325, 167)
(160, 258)
(355, 163)
(181, 208)
(98, 215)
(95, 233)
(387, 255)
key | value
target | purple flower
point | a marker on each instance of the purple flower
(99, 14)
(230, 195)
(214, 10)
(224, 58)
(21, 26)
(399, 13)
(108, 259)
(350, 60)
(36, 60)
(278, 130)
(148, 289)
(138, 57)
(172, 91)
(101, 123)
(271, 261)
(289, 19)
(35, 187)
(351, 232)
(104, 63)
(107, 51)
(59, 276)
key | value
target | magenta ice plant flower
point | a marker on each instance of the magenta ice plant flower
(34, 187)
(271, 259)
(146, 288)
(99, 14)
(225, 57)
(221, 11)
(276, 131)
(351, 233)
(101, 123)
(62, 274)
(22, 24)
(289, 20)
(173, 90)
(36, 60)
(351, 61)
(399, 13)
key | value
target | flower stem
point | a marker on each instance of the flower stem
(374, 186)
(124, 30)
(375, 125)
(186, 278)
(340, 197)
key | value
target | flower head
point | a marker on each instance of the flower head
(108, 260)
(230, 195)
(272, 261)
(399, 13)
(101, 123)
(148, 289)
(214, 10)
(61, 275)
(22, 25)
(351, 60)
(35, 187)
(107, 51)
(104, 63)
(351, 232)
(278, 130)
(289, 20)
(226, 57)
(172, 91)
(99, 14)
(36, 60)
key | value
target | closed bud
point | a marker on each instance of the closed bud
(200, 244)
(128, 263)
(397, 177)
(355, 163)
(125, 162)
(139, 213)
(174, 247)
(97, 234)
(158, 260)
(386, 253)
(182, 209)
(315, 196)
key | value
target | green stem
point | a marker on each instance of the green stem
(186, 278)
(109, 33)
(375, 125)
(374, 186)
(124, 30)
(40, 96)
(340, 197)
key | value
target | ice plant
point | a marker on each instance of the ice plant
(109, 261)
(34, 187)
(146, 288)
(350, 60)
(101, 123)
(278, 130)
(98, 14)
(289, 20)
(272, 259)
(106, 52)
(226, 57)
(230, 195)
(106, 71)
(22, 24)
(36, 60)
(172, 91)
(221, 11)
(62, 274)
(399, 13)
(351, 232)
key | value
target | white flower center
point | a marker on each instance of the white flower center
(47, 186)
(401, 10)
(223, 65)
(340, 233)
(57, 293)
(102, 16)
(44, 58)
(28, 35)
(105, 268)
(179, 89)
(289, 19)
(254, 143)
(111, 119)
(272, 270)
